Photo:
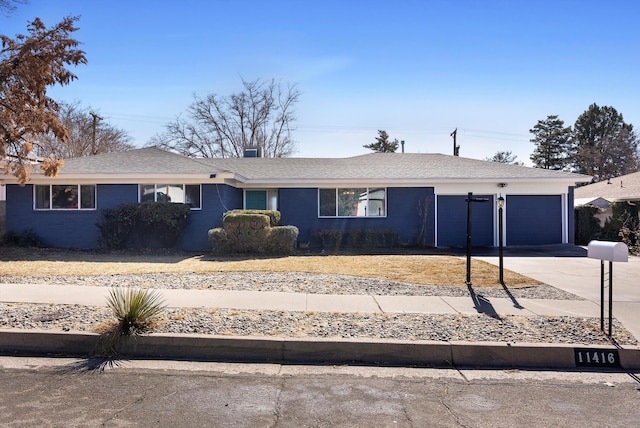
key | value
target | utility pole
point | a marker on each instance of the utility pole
(456, 148)
(96, 118)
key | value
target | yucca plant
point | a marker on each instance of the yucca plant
(136, 311)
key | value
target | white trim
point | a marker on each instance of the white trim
(565, 218)
(184, 192)
(368, 190)
(268, 195)
(79, 207)
(435, 218)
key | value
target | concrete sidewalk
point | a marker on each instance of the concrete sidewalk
(261, 300)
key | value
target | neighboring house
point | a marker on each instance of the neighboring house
(625, 188)
(373, 191)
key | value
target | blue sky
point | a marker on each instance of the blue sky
(417, 69)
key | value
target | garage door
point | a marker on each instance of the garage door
(452, 221)
(534, 219)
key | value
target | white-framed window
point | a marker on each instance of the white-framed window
(64, 197)
(261, 199)
(190, 194)
(352, 202)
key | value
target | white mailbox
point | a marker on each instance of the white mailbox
(609, 251)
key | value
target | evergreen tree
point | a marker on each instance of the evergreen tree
(505, 156)
(382, 144)
(606, 146)
(554, 148)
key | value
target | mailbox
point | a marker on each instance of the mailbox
(609, 251)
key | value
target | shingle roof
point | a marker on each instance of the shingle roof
(369, 167)
(381, 166)
(623, 188)
(139, 161)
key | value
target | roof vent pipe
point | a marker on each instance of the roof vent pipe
(402, 144)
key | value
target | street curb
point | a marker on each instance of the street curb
(304, 350)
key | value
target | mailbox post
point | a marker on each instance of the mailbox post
(611, 252)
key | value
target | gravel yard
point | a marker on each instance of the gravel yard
(294, 282)
(215, 321)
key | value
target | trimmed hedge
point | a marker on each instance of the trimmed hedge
(274, 216)
(281, 239)
(253, 232)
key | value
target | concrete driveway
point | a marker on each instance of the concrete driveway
(581, 276)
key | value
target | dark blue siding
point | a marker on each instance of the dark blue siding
(452, 221)
(299, 207)
(64, 229)
(534, 219)
(216, 200)
(77, 229)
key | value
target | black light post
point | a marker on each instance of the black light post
(469, 200)
(500, 202)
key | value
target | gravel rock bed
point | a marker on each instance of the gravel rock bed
(296, 282)
(570, 330)
(476, 328)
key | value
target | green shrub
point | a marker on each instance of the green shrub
(26, 238)
(146, 225)
(253, 232)
(355, 239)
(246, 232)
(282, 239)
(587, 224)
(116, 226)
(160, 224)
(220, 241)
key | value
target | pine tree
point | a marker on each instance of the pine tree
(554, 148)
(382, 144)
(606, 146)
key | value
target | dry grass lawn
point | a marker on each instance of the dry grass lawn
(415, 269)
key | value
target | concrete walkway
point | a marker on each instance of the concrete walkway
(261, 300)
(581, 276)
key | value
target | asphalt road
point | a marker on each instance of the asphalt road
(71, 393)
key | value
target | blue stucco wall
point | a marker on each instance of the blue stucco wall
(299, 207)
(77, 228)
(452, 221)
(216, 200)
(61, 228)
(533, 219)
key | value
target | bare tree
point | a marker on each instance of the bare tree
(261, 116)
(29, 64)
(87, 134)
(6, 6)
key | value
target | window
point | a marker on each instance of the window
(261, 199)
(179, 193)
(65, 197)
(352, 202)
